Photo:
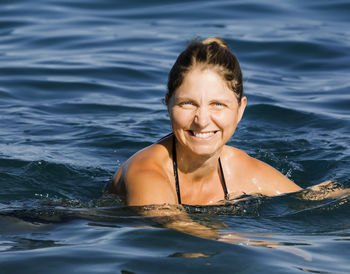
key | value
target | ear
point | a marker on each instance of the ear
(166, 99)
(241, 108)
(167, 102)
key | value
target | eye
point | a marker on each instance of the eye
(218, 105)
(186, 104)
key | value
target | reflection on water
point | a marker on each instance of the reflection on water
(191, 255)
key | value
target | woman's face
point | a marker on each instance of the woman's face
(204, 112)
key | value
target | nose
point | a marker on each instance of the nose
(202, 117)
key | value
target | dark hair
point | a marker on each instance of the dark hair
(209, 53)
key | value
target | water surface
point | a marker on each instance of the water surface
(81, 88)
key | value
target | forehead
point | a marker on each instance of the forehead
(204, 81)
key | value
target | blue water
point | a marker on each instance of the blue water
(81, 88)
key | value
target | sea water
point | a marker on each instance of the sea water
(81, 88)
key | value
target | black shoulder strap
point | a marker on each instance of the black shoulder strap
(175, 170)
(223, 181)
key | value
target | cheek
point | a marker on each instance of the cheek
(181, 117)
(225, 119)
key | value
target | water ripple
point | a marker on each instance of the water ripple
(81, 85)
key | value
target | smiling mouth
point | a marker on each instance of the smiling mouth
(202, 135)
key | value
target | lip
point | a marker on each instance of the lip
(202, 135)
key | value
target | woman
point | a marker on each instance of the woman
(193, 165)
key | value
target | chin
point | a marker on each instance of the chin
(205, 152)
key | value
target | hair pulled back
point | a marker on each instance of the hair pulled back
(210, 53)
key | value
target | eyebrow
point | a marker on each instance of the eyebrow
(184, 99)
(220, 100)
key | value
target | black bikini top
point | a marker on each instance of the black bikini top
(177, 177)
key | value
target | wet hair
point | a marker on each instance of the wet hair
(211, 53)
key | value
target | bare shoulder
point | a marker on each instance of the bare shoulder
(255, 176)
(143, 179)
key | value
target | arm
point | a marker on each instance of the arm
(175, 217)
(273, 182)
(147, 187)
(326, 190)
(252, 176)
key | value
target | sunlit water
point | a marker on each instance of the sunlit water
(81, 88)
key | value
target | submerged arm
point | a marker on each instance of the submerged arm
(175, 217)
(328, 189)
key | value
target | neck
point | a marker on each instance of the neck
(199, 166)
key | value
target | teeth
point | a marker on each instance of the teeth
(203, 135)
